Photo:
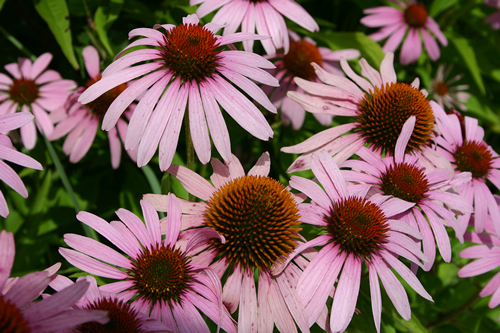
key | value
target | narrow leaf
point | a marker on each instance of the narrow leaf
(469, 57)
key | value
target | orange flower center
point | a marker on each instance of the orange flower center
(404, 181)
(299, 57)
(474, 157)
(415, 15)
(23, 91)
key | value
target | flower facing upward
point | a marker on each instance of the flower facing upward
(157, 274)
(358, 229)
(297, 63)
(9, 153)
(34, 89)
(80, 122)
(18, 312)
(187, 62)
(445, 93)
(379, 110)
(263, 15)
(250, 223)
(409, 17)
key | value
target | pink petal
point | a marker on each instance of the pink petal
(88, 264)
(247, 316)
(7, 253)
(198, 125)
(232, 289)
(296, 13)
(192, 182)
(262, 167)
(412, 48)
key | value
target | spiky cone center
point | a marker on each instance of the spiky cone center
(474, 157)
(383, 112)
(11, 318)
(163, 273)
(99, 106)
(298, 59)
(415, 15)
(23, 91)
(442, 88)
(358, 226)
(404, 181)
(258, 218)
(122, 318)
(190, 51)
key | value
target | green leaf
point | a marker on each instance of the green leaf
(439, 5)
(103, 18)
(55, 13)
(1, 4)
(469, 57)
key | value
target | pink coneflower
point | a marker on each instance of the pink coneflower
(297, 63)
(445, 93)
(493, 19)
(156, 273)
(186, 63)
(9, 153)
(18, 312)
(263, 15)
(402, 177)
(81, 121)
(259, 220)
(463, 145)
(123, 317)
(379, 108)
(34, 89)
(358, 229)
(409, 16)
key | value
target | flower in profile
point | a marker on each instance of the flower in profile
(297, 63)
(409, 16)
(156, 274)
(33, 89)
(18, 312)
(402, 177)
(8, 123)
(265, 16)
(81, 121)
(358, 229)
(187, 62)
(445, 93)
(379, 108)
(123, 317)
(468, 152)
(259, 220)
(493, 19)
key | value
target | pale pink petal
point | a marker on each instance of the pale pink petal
(247, 316)
(434, 28)
(329, 175)
(198, 125)
(232, 289)
(91, 60)
(188, 318)
(262, 166)
(266, 322)
(7, 252)
(83, 144)
(393, 42)
(375, 295)
(173, 219)
(11, 178)
(296, 13)
(292, 300)
(412, 48)
(28, 134)
(192, 182)
(431, 46)
(115, 148)
(42, 119)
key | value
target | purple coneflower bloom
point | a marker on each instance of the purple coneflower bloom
(445, 93)
(297, 63)
(8, 123)
(461, 142)
(258, 220)
(493, 19)
(81, 121)
(411, 17)
(379, 109)
(402, 177)
(19, 312)
(34, 89)
(186, 62)
(123, 316)
(157, 273)
(265, 16)
(358, 229)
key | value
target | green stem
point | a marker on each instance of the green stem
(189, 149)
(89, 232)
(17, 44)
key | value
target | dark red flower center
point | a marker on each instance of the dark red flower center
(404, 181)
(100, 105)
(474, 157)
(162, 274)
(415, 15)
(299, 57)
(258, 218)
(357, 225)
(23, 91)
(441, 88)
(383, 112)
(122, 318)
(11, 318)
(190, 51)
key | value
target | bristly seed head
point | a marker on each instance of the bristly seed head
(23, 91)
(163, 273)
(474, 157)
(404, 181)
(258, 218)
(122, 318)
(358, 226)
(11, 318)
(298, 59)
(415, 15)
(383, 112)
(100, 105)
(441, 88)
(190, 51)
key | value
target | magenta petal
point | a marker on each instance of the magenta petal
(91, 265)
(69, 319)
(232, 290)
(412, 48)
(293, 302)
(28, 288)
